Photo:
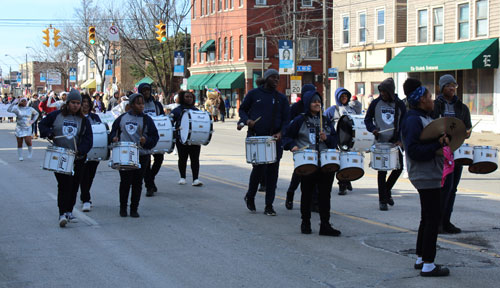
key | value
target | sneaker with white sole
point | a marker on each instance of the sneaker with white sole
(197, 183)
(62, 221)
(21, 158)
(86, 207)
(182, 181)
(71, 218)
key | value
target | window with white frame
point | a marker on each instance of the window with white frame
(202, 7)
(362, 28)
(345, 30)
(194, 10)
(481, 18)
(437, 24)
(232, 4)
(220, 49)
(194, 52)
(463, 21)
(220, 5)
(260, 47)
(199, 53)
(308, 48)
(212, 10)
(225, 48)
(380, 24)
(241, 3)
(226, 5)
(260, 2)
(422, 25)
(241, 46)
(307, 3)
(231, 48)
(208, 7)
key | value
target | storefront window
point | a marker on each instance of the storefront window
(478, 91)
(360, 88)
(375, 91)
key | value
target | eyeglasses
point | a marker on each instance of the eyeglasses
(451, 85)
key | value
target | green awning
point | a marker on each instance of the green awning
(194, 79)
(144, 80)
(200, 85)
(210, 45)
(232, 80)
(450, 56)
(212, 83)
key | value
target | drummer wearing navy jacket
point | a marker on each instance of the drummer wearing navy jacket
(71, 123)
(152, 108)
(304, 131)
(274, 111)
(186, 101)
(386, 112)
(134, 126)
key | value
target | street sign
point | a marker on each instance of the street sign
(54, 78)
(113, 34)
(307, 68)
(332, 73)
(296, 84)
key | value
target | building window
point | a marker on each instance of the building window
(220, 49)
(362, 27)
(213, 6)
(463, 21)
(375, 91)
(202, 7)
(194, 52)
(231, 49)
(92, 75)
(208, 7)
(260, 2)
(241, 3)
(381, 25)
(194, 9)
(360, 88)
(345, 30)
(260, 47)
(437, 24)
(225, 48)
(199, 53)
(308, 48)
(220, 5)
(232, 4)
(241, 46)
(478, 91)
(422, 26)
(226, 5)
(307, 3)
(481, 18)
(211, 55)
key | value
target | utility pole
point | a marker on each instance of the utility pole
(262, 56)
(295, 46)
(326, 93)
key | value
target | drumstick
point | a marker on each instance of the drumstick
(303, 148)
(321, 121)
(255, 121)
(475, 125)
(386, 130)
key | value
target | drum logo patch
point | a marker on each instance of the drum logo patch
(131, 127)
(70, 129)
(388, 115)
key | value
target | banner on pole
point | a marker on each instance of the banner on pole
(179, 63)
(286, 54)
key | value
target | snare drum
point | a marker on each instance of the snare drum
(166, 132)
(464, 155)
(261, 150)
(305, 162)
(485, 160)
(384, 157)
(196, 127)
(100, 150)
(353, 134)
(330, 160)
(59, 160)
(351, 166)
(125, 156)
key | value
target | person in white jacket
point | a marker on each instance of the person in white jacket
(26, 116)
(58, 104)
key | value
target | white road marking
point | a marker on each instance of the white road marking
(80, 215)
(3, 162)
(24, 148)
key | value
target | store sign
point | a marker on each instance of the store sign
(424, 68)
(356, 60)
(376, 59)
(487, 60)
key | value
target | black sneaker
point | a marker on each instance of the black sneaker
(418, 266)
(452, 229)
(436, 272)
(383, 207)
(390, 201)
(250, 204)
(289, 201)
(328, 230)
(269, 211)
(155, 189)
(305, 227)
(123, 212)
(262, 188)
(349, 186)
(134, 214)
(149, 192)
(342, 189)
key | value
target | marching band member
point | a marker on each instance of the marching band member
(304, 131)
(152, 108)
(186, 101)
(448, 105)
(134, 126)
(342, 98)
(273, 108)
(425, 170)
(56, 104)
(90, 167)
(70, 123)
(26, 116)
(386, 112)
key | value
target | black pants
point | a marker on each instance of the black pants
(193, 151)
(34, 126)
(271, 177)
(308, 184)
(88, 174)
(385, 185)
(294, 183)
(429, 222)
(133, 178)
(448, 194)
(152, 170)
(67, 187)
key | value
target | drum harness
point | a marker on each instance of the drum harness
(119, 130)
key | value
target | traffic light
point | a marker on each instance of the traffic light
(162, 34)
(56, 37)
(46, 37)
(92, 35)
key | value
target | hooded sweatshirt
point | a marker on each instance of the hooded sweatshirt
(298, 107)
(129, 127)
(151, 106)
(455, 109)
(335, 112)
(304, 129)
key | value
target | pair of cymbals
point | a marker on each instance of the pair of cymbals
(453, 127)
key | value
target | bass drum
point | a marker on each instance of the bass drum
(165, 129)
(353, 134)
(196, 127)
(100, 150)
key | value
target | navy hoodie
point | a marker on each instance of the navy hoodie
(298, 107)
(291, 136)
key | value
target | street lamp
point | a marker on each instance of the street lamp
(27, 69)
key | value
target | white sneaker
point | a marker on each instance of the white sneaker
(182, 181)
(86, 207)
(197, 183)
(71, 218)
(30, 155)
(62, 221)
(21, 158)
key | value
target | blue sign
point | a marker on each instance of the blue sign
(304, 68)
(72, 74)
(286, 55)
(332, 73)
(109, 67)
(18, 77)
(42, 77)
(179, 63)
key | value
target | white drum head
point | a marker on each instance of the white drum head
(184, 133)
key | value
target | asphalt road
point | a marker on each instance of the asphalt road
(205, 237)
